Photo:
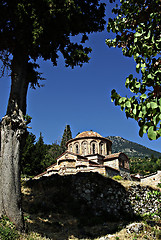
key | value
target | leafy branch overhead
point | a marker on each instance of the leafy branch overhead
(137, 26)
(30, 30)
(44, 28)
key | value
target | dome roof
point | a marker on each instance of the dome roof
(88, 134)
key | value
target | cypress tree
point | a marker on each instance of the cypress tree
(67, 135)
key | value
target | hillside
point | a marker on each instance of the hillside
(132, 149)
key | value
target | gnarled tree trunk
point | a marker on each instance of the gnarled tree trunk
(13, 128)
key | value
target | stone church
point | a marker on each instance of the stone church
(90, 152)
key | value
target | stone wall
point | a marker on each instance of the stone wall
(125, 174)
(144, 199)
(152, 179)
(91, 194)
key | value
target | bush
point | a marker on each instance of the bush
(7, 230)
(118, 177)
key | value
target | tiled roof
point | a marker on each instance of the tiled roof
(39, 175)
(88, 134)
(112, 156)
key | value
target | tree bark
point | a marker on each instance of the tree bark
(13, 128)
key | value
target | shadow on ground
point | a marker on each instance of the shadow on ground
(82, 206)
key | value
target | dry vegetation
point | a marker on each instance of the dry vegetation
(62, 225)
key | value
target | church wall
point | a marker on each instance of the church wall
(100, 170)
(111, 172)
(85, 147)
(67, 163)
(81, 162)
(124, 161)
(67, 156)
(125, 174)
(112, 163)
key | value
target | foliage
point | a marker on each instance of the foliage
(118, 177)
(145, 165)
(67, 135)
(27, 155)
(33, 155)
(37, 156)
(7, 230)
(30, 30)
(52, 153)
(43, 28)
(137, 28)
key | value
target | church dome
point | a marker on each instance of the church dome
(88, 134)
(89, 143)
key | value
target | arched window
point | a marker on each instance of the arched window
(84, 148)
(107, 151)
(123, 163)
(77, 149)
(93, 148)
(101, 148)
(70, 148)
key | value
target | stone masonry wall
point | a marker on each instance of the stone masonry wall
(144, 199)
(95, 195)
(153, 178)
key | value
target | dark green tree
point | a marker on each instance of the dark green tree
(27, 158)
(137, 26)
(52, 153)
(67, 135)
(30, 30)
(38, 164)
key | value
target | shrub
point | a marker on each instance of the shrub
(7, 230)
(117, 177)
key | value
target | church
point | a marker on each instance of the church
(90, 152)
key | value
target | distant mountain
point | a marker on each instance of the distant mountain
(132, 149)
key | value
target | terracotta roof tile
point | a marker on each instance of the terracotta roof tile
(88, 134)
(112, 156)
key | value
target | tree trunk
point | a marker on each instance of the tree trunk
(13, 128)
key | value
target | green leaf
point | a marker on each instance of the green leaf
(138, 65)
(143, 96)
(153, 105)
(160, 101)
(159, 131)
(150, 76)
(122, 100)
(134, 111)
(137, 34)
(127, 82)
(143, 65)
(128, 104)
(137, 85)
(145, 128)
(152, 135)
(140, 114)
(148, 105)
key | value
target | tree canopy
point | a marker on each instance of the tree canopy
(137, 26)
(32, 29)
(41, 28)
(67, 135)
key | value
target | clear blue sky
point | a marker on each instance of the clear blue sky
(81, 97)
